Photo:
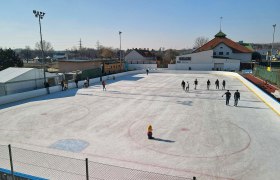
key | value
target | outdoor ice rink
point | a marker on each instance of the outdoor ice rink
(196, 133)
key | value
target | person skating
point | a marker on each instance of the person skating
(208, 84)
(65, 85)
(150, 132)
(236, 97)
(183, 84)
(228, 95)
(62, 85)
(147, 71)
(88, 81)
(224, 84)
(85, 83)
(104, 84)
(217, 83)
(47, 86)
(76, 82)
(187, 86)
(195, 83)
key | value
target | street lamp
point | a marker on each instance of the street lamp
(120, 34)
(274, 25)
(40, 15)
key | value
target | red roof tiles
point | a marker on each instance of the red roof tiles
(237, 48)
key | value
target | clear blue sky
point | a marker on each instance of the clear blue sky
(144, 23)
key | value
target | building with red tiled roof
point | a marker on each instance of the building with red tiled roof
(220, 53)
(226, 48)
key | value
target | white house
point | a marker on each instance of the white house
(16, 80)
(220, 53)
(140, 59)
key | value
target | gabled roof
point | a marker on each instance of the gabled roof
(144, 53)
(11, 73)
(220, 37)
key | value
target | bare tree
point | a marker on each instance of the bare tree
(200, 41)
(26, 53)
(169, 56)
(47, 46)
(106, 52)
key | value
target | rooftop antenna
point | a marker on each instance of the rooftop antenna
(221, 23)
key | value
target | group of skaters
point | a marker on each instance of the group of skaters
(64, 84)
(186, 87)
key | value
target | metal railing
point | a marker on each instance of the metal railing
(36, 164)
(272, 76)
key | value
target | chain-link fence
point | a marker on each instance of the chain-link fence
(22, 164)
(272, 76)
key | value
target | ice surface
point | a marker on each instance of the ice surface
(196, 133)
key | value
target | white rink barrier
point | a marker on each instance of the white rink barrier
(40, 92)
(272, 103)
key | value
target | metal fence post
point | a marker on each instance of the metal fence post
(11, 162)
(87, 169)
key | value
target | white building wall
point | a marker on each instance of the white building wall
(203, 61)
(222, 48)
(22, 86)
(244, 57)
(135, 58)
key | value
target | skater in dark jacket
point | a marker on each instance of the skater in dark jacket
(187, 87)
(217, 83)
(224, 84)
(183, 84)
(208, 84)
(228, 95)
(195, 83)
(62, 85)
(236, 97)
(76, 82)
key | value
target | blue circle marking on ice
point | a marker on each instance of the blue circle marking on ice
(72, 145)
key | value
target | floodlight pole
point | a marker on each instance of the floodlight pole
(274, 25)
(40, 16)
(120, 33)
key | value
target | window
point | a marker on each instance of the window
(221, 47)
(214, 53)
(185, 58)
(227, 53)
(221, 53)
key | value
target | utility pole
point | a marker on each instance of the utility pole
(80, 43)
